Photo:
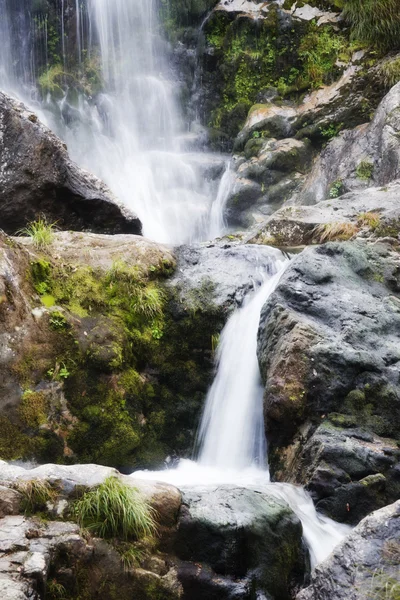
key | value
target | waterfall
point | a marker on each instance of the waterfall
(231, 434)
(131, 134)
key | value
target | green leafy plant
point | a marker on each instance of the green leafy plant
(114, 509)
(365, 170)
(57, 321)
(41, 232)
(331, 130)
(336, 189)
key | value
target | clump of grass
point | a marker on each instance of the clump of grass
(365, 170)
(389, 72)
(41, 232)
(328, 232)
(36, 494)
(131, 556)
(55, 590)
(369, 219)
(374, 22)
(114, 509)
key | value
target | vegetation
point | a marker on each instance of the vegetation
(114, 509)
(329, 232)
(41, 232)
(36, 494)
(374, 22)
(369, 219)
(390, 72)
(336, 189)
(365, 170)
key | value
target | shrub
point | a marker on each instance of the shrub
(336, 189)
(365, 170)
(114, 509)
(375, 22)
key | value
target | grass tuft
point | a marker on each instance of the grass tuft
(390, 72)
(36, 494)
(374, 22)
(114, 509)
(369, 219)
(328, 232)
(41, 232)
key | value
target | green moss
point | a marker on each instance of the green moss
(33, 409)
(365, 170)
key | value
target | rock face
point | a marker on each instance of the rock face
(37, 177)
(364, 565)
(367, 156)
(371, 212)
(244, 541)
(328, 349)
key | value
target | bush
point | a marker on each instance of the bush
(114, 509)
(375, 22)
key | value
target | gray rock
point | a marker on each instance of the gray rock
(242, 535)
(363, 157)
(364, 565)
(10, 501)
(219, 274)
(329, 342)
(38, 177)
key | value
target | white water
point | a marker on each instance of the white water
(132, 135)
(231, 434)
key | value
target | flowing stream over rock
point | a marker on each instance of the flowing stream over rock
(231, 434)
(132, 134)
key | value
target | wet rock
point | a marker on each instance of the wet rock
(365, 564)
(245, 539)
(220, 274)
(328, 343)
(37, 177)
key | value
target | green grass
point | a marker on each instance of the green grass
(41, 232)
(374, 22)
(36, 494)
(390, 72)
(114, 509)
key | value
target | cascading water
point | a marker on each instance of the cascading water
(131, 134)
(231, 434)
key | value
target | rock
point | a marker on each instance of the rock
(243, 536)
(374, 211)
(367, 156)
(365, 564)
(219, 274)
(319, 357)
(37, 177)
(10, 502)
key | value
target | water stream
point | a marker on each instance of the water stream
(232, 445)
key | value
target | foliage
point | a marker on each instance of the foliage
(114, 509)
(41, 232)
(336, 189)
(369, 219)
(390, 72)
(55, 590)
(374, 22)
(365, 170)
(36, 494)
(50, 81)
(328, 232)
(319, 52)
(331, 130)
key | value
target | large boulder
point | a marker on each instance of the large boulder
(328, 349)
(364, 565)
(366, 156)
(37, 177)
(244, 540)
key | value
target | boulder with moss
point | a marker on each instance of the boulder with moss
(328, 348)
(364, 565)
(38, 178)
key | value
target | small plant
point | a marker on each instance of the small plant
(131, 556)
(336, 189)
(59, 372)
(369, 219)
(41, 232)
(328, 232)
(365, 170)
(331, 130)
(56, 590)
(36, 494)
(114, 509)
(390, 72)
(57, 321)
